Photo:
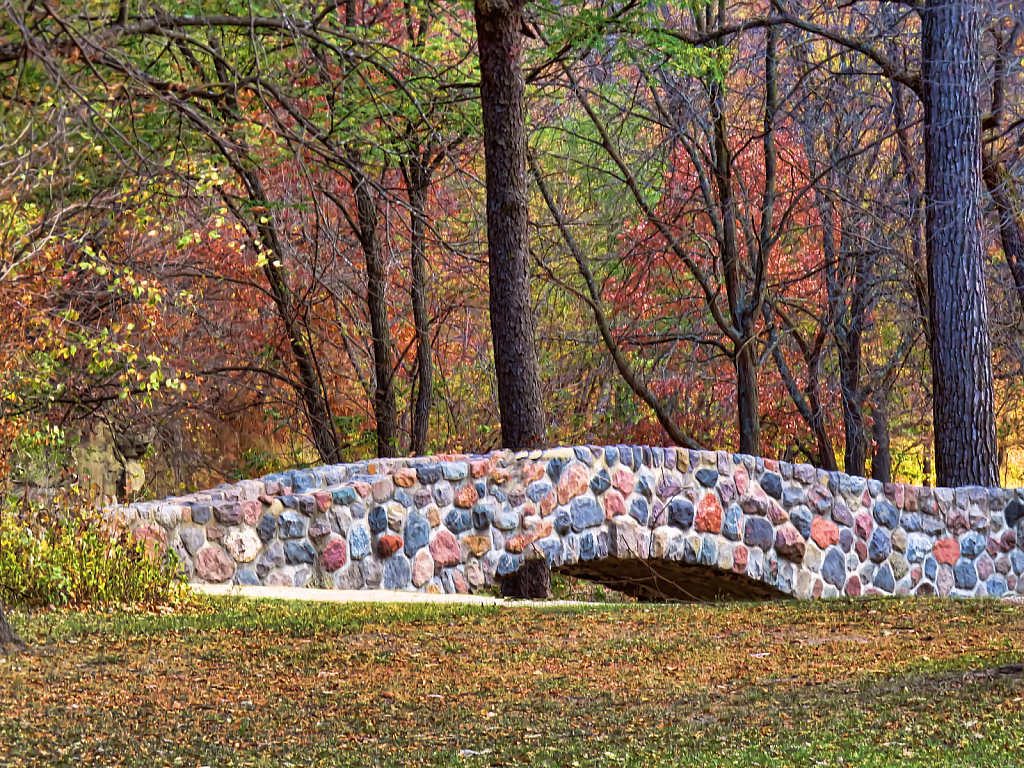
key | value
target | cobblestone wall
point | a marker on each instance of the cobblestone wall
(617, 514)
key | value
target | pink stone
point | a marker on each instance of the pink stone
(777, 514)
(819, 587)
(739, 559)
(624, 481)
(709, 514)
(915, 574)
(573, 483)
(361, 488)
(214, 564)
(479, 468)
(335, 555)
(985, 567)
(279, 579)
(741, 479)
(992, 546)
(957, 522)
(466, 496)
(517, 544)
(548, 504)
(863, 525)
(853, 587)
(542, 529)
(404, 477)
(382, 489)
(1007, 541)
(947, 551)
(459, 581)
(251, 512)
(861, 549)
(824, 532)
(214, 532)
(533, 472)
(910, 498)
(242, 544)
(422, 568)
(153, 538)
(726, 490)
(790, 544)
(771, 465)
(944, 581)
(614, 504)
(1011, 581)
(388, 545)
(445, 549)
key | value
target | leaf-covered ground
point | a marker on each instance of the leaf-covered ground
(873, 682)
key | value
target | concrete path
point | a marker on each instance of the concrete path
(361, 595)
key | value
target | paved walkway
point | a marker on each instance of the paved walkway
(361, 595)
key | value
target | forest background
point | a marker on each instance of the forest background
(241, 236)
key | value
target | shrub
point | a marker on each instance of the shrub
(64, 554)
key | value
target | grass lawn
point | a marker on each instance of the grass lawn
(868, 682)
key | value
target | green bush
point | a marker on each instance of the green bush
(70, 557)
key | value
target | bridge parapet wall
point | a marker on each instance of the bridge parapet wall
(456, 523)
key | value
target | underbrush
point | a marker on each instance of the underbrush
(62, 553)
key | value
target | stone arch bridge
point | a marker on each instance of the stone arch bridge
(653, 522)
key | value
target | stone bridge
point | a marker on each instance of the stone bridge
(652, 522)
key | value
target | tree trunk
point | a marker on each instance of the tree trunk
(502, 93)
(1011, 220)
(881, 461)
(384, 408)
(747, 401)
(419, 183)
(7, 636)
(964, 416)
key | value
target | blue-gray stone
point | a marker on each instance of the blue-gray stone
(964, 574)
(402, 497)
(771, 484)
(454, 470)
(481, 488)
(246, 577)
(416, 533)
(563, 523)
(458, 520)
(911, 521)
(583, 454)
(343, 496)
(600, 482)
(588, 547)
(611, 455)
(482, 511)
(397, 572)
(358, 511)
(842, 514)
(886, 514)
(1017, 561)
(658, 456)
(585, 513)
(271, 559)
(378, 519)
(625, 455)
(291, 526)
(358, 542)
(1013, 513)
(508, 564)
(646, 457)
(833, 568)
(201, 513)
(289, 500)
(758, 532)
(732, 523)
(537, 491)
(306, 504)
(645, 486)
(193, 538)
(638, 457)
(884, 579)
(801, 518)
(792, 497)
(707, 477)
(504, 518)
(639, 510)
(680, 513)
(880, 546)
(972, 545)
(919, 547)
(499, 495)
(551, 549)
(709, 551)
(996, 585)
(428, 473)
(931, 568)
(297, 551)
(306, 480)
(846, 539)
(267, 529)
(932, 526)
(555, 467)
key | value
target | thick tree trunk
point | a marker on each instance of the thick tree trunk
(964, 417)
(881, 461)
(419, 178)
(747, 401)
(384, 407)
(502, 93)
